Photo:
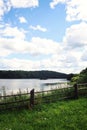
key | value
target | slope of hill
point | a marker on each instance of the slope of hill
(44, 74)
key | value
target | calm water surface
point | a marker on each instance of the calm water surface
(13, 85)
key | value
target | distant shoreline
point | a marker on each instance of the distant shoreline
(42, 75)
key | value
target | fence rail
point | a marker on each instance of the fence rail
(32, 98)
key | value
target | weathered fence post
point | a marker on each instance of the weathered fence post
(76, 91)
(32, 98)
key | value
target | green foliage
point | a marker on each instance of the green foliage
(80, 78)
(75, 78)
(65, 115)
(83, 76)
(84, 71)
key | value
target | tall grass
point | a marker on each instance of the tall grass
(64, 115)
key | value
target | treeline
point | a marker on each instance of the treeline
(32, 74)
(80, 78)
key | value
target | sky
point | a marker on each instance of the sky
(43, 35)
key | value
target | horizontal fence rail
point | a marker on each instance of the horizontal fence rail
(32, 98)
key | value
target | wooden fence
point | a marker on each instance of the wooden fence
(28, 100)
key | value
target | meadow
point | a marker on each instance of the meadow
(61, 115)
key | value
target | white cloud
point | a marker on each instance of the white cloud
(75, 9)
(38, 27)
(63, 57)
(84, 56)
(1, 7)
(60, 57)
(12, 32)
(12, 45)
(55, 2)
(35, 47)
(22, 20)
(4, 52)
(68, 56)
(75, 36)
(68, 64)
(19, 64)
(5, 6)
(12, 40)
(24, 3)
(44, 46)
(75, 47)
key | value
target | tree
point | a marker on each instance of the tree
(83, 76)
(80, 78)
(75, 78)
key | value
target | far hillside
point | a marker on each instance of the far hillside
(44, 74)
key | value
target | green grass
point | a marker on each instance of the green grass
(62, 115)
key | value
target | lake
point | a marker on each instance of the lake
(14, 85)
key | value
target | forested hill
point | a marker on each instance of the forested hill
(31, 74)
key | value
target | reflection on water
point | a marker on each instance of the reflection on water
(14, 85)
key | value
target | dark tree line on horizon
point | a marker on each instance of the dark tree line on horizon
(44, 74)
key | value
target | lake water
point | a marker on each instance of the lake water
(14, 85)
